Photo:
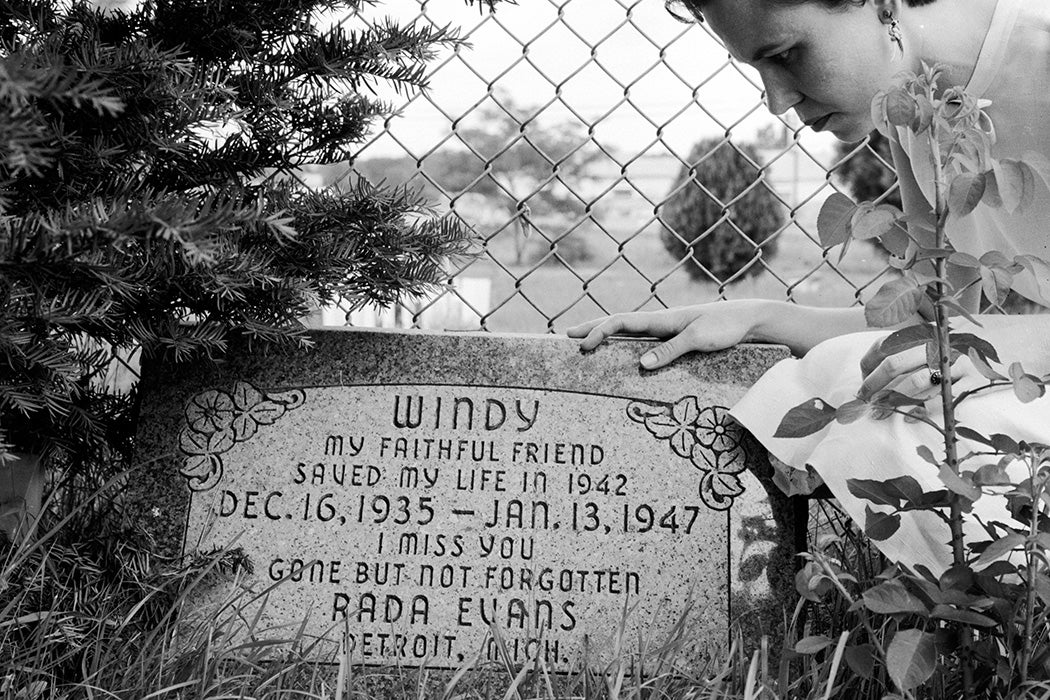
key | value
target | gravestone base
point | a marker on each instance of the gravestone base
(408, 491)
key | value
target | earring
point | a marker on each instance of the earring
(894, 30)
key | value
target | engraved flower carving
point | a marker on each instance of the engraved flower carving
(216, 420)
(707, 437)
(715, 430)
(203, 466)
(210, 412)
(252, 410)
(677, 425)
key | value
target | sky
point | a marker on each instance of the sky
(539, 53)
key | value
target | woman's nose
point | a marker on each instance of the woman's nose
(779, 96)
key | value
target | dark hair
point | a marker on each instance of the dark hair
(691, 11)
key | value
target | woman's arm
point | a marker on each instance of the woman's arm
(719, 325)
(723, 324)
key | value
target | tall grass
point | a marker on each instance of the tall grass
(87, 610)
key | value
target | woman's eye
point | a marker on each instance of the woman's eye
(784, 56)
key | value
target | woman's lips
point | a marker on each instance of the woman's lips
(819, 124)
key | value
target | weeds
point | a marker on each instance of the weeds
(93, 613)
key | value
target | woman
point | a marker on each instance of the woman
(826, 59)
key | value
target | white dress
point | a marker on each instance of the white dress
(1013, 72)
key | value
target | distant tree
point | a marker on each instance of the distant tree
(704, 221)
(868, 173)
(773, 135)
(517, 162)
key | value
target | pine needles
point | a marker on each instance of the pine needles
(148, 194)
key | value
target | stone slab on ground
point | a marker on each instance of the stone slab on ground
(416, 494)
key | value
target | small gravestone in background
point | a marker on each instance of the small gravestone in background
(433, 499)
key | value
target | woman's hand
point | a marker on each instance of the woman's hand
(704, 328)
(906, 372)
(1024, 339)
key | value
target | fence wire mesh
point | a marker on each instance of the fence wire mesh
(563, 133)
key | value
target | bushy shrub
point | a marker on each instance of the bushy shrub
(868, 173)
(707, 220)
(148, 200)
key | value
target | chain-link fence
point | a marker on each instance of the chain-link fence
(567, 136)
(562, 133)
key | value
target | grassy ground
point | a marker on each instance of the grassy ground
(84, 616)
(626, 267)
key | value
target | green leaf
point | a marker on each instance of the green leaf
(813, 644)
(959, 310)
(909, 489)
(907, 338)
(795, 482)
(991, 475)
(900, 107)
(995, 284)
(924, 112)
(911, 658)
(927, 455)
(966, 617)
(861, 659)
(880, 526)
(892, 598)
(956, 484)
(805, 419)
(896, 302)
(1005, 444)
(1028, 388)
(958, 577)
(878, 115)
(999, 548)
(991, 190)
(965, 193)
(1016, 183)
(873, 221)
(964, 260)
(982, 366)
(1039, 271)
(811, 582)
(833, 222)
(874, 490)
(851, 411)
(971, 434)
(964, 342)
(933, 355)
(888, 398)
(993, 258)
(930, 499)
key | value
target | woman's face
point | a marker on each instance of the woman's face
(826, 64)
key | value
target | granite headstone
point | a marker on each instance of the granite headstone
(433, 498)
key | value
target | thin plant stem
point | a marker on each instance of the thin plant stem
(1032, 557)
(951, 456)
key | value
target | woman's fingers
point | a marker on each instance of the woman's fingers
(580, 330)
(890, 369)
(594, 333)
(907, 373)
(704, 327)
(637, 323)
(666, 353)
(918, 384)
